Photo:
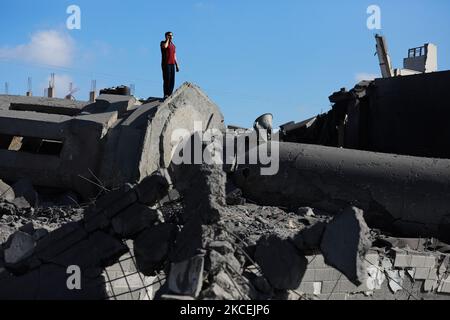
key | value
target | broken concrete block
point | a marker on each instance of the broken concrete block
(395, 278)
(6, 192)
(345, 244)
(133, 220)
(152, 189)
(445, 285)
(21, 245)
(24, 188)
(152, 247)
(280, 262)
(186, 278)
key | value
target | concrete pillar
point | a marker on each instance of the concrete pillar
(92, 96)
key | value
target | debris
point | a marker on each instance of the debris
(186, 277)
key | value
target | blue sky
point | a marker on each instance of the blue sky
(250, 56)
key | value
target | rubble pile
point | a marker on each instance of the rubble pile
(331, 224)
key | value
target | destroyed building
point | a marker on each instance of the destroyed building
(358, 209)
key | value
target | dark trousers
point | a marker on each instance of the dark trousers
(169, 78)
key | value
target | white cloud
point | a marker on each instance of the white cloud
(365, 76)
(48, 47)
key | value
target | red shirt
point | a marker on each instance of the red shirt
(168, 55)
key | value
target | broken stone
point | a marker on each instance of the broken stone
(21, 246)
(152, 247)
(6, 192)
(345, 244)
(133, 220)
(280, 262)
(186, 278)
(24, 188)
(235, 198)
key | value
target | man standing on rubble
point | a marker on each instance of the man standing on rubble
(169, 64)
